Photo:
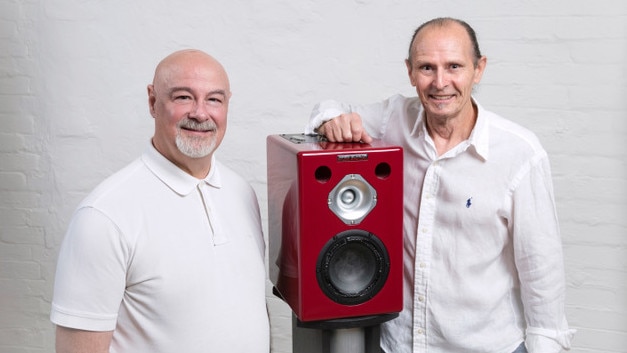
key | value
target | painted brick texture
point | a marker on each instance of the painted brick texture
(73, 110)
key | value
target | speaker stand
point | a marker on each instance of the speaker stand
(348, 340)
(350, 335)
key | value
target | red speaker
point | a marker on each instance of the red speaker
(335, 226)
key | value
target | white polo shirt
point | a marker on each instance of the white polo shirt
(169, 262)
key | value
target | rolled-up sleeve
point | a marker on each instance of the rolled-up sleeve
(539, 260)
(324, 111)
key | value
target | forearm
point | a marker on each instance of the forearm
(372, 117)
(69, 340)
(324, 111)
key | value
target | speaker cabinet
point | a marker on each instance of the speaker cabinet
(335, 226)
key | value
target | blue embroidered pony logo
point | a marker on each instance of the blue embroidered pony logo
(469, 202)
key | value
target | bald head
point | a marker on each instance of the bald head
(176, 63)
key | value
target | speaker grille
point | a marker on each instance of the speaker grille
(352, 267)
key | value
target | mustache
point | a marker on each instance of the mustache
(190, 124)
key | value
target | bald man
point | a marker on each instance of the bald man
(167, 255)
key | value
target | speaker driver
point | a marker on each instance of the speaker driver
(352, 199)
(352, 267)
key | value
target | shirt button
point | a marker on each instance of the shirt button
(422, 265)
(420, 331)
(421, 298)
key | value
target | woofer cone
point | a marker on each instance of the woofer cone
(352, 267)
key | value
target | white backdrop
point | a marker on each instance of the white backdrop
(73, 110)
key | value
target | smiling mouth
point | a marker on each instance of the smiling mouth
(196, 127)
(440, 97)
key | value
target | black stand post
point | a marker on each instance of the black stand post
(349, 335)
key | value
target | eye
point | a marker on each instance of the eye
(215, 99)
(426, 70)
(182, 97)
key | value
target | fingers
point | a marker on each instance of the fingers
(345, 128)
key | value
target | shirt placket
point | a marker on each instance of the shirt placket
(217, 235)
(422, 264)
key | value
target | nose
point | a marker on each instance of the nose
(440, 80)
(199, 111)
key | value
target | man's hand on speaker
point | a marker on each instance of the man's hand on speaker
(345, 128)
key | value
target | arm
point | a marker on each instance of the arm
(345, 128)
(69, 340)
(538, 253)
(89, 284)
(340, 122)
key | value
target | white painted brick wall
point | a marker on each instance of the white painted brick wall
(73, 110)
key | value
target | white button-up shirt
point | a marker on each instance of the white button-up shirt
(483, 267)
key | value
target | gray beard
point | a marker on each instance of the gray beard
(195, 147)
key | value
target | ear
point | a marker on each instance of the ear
(409, 70)
(480, 68)
(151, 99)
